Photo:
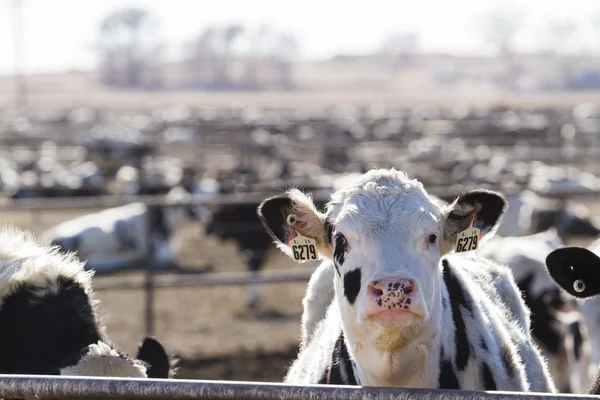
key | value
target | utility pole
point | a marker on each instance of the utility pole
(19, 78)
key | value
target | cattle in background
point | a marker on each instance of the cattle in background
(557, 325)
(118, 237)
(577, 270)
(402, 315)
(49, 323)
(529, 213)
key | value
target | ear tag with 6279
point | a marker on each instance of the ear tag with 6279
(468, 239)
(303, 248)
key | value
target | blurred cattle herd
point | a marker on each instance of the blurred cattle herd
(91, 152)
(539, 157)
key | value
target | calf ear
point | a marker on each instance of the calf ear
(484, 207)
(576, 270)
(308, 221)
(152, 352)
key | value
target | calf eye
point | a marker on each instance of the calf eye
(340, 241)
(431, 239)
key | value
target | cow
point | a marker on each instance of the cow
(576, 270)
(557, 324)
(529, 213)
(49, 323)
(405, 312)
(116, 237)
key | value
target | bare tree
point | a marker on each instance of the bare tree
(128, 51)
(501, 27)
(210, 56)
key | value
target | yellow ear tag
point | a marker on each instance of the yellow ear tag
(468, 239)
(303, 248)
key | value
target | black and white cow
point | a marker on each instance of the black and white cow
(48, 319)
(577, 270)
(402, 315)
(114, 238)
(557, 324)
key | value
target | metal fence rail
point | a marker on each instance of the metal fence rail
(39, 386)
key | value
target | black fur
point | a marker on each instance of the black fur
(328, 231)
(568, 264)
(488, 379)
(577, 339)
(152, 352)
(447, 378)
(340, 370)
(273, 214)
(493, 205)
(352, 284)
(542, 321)
(458, 298)
(40, 337)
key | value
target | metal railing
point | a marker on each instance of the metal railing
(38, 386)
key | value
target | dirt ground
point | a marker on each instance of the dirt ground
(208, 328)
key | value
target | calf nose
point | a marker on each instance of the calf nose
(393, 293)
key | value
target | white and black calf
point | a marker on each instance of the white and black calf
(402, 315)
(577, 270)
(557, 324)
(114, 238)
(48, 319)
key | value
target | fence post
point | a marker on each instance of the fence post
(152, 215)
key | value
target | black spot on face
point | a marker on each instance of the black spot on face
(458, 298)
(352, 285)
(488, 379)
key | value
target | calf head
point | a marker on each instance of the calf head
(576, 270)
(386, 236)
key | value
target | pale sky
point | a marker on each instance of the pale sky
(58, 33)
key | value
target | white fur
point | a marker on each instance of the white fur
(103, 360)
(319, 295)
(386, 218)
(24, 260)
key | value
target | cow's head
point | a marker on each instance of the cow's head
(385, 235)
(576, 270)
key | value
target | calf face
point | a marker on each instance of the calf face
(385, 235)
